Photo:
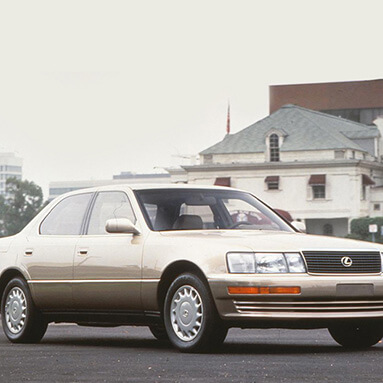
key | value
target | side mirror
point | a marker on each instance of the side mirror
(121, 225)
(300, 226)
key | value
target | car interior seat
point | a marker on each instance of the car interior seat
(188, 222)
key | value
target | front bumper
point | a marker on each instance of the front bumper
(322, 298)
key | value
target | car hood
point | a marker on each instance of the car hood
(270, 241)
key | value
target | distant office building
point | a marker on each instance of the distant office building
(10, 166)
(360, 101)
(61, 187)
(139, 178)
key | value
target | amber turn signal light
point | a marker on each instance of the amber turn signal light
(264, 290)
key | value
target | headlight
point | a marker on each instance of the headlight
(264, 263)
(241, 262)
(271, 263)
(295, 263)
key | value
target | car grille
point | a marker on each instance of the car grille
(330, 262)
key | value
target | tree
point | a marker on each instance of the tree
(23, 200)
(359, 229)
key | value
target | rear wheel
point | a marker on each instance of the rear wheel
(357, 335)
(21, 321)
(190, 316)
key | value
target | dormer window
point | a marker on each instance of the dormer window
(208, 159)
(274, 139)
(274, 147)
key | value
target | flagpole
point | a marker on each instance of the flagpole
(228, 119)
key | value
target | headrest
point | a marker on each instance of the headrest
(188, 222)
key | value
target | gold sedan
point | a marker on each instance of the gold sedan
(189, 262)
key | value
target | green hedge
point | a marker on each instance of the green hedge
(359, 229)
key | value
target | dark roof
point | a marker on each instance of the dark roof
(303, 129)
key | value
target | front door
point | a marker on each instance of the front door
(107, 267)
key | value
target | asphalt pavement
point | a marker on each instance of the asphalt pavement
(70, 353)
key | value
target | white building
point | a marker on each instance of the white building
(10, 166)
(322, 169)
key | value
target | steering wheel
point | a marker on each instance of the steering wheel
(239, 223)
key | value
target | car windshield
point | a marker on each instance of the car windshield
(204, 209)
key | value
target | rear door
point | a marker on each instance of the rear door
(48, 254)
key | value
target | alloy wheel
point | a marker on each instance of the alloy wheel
(15, 310)
(186, 313)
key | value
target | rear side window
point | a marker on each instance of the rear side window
(109, 205)
(67, 216)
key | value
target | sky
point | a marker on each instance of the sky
(92, 88)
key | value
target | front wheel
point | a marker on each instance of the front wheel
(21, 321)
(190, 316)
(357, 335)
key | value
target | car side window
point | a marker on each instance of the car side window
(67, 216)
(109, 205)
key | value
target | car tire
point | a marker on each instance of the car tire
(219, 336)
(21, 320)
(191, 319)
(357, 335)
(159, 332)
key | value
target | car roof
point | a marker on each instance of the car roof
(160, 186)
(175, 186)
(147, 187)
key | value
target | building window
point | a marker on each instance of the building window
(208, 159)
(10, 168)
(376, 206)
(366, 181)
(319, 191)
(318, 184)
(272, 182)
(272, 185)
(274, 148)
(339, 154)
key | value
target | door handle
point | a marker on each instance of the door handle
(82, 252)
(28, 252)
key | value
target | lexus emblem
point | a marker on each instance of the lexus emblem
(346, 261)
